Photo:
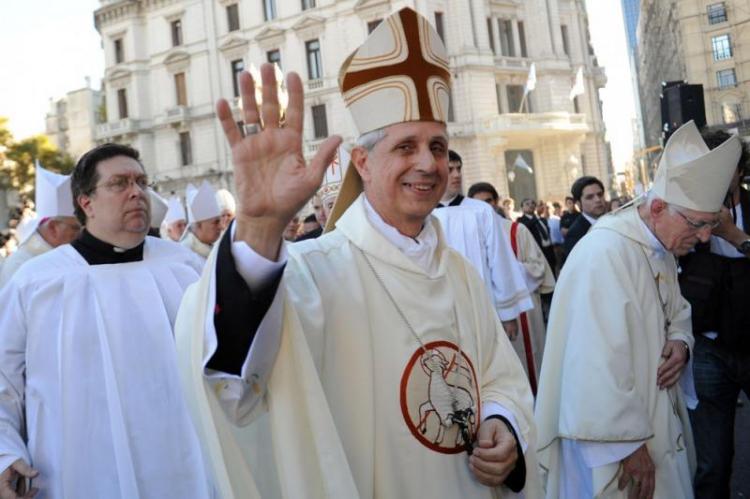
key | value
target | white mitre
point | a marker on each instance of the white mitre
(175, 211)
(225, 200)
(201, 203)
(400, 73)
(159, 207)
(54, 198)
(692, 176)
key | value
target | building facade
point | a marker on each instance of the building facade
(168, 61)
(703, 42)
(71, 121)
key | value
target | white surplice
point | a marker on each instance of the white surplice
(89, 393)
(473, 229)
(529, 344)
(196, 245)
(598, 400)
(35, 245)
(348, 410)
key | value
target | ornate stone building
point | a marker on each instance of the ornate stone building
(701, 41)
(168, 61)
(71, 121)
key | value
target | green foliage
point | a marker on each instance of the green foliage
(17, 159)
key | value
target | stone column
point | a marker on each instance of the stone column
(516, 37)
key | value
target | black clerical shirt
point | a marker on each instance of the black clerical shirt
(97, 252)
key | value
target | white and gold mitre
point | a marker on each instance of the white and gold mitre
(692, 176)
(400, 73)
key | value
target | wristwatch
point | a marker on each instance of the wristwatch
(744, 247)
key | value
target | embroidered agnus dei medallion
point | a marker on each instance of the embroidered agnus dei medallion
(440, 397)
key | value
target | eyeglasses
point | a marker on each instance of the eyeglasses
(119, 183)
(700, 224)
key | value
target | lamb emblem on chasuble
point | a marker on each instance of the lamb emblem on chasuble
(439, 394)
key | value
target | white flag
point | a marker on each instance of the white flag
(530, 80)
(578, 87)
(522, 164)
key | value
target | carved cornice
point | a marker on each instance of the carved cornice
(270, 37)
(115, 11)
(309, 27)
(119, 78)
(234, 47)
(177, 61)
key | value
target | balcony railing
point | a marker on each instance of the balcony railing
(539, 123)
(115, 128)
(508, 62)
(316, 84)
(177, 114)
(312, 146)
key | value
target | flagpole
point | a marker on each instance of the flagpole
(523, 101)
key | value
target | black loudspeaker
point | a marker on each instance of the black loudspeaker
(680, 103)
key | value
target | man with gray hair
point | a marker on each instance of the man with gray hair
(612, 416)
(377, 366)
(55, 223)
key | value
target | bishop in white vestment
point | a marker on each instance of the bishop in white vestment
(204, 220)
(379, 369)
(612, 418)
(53, 226)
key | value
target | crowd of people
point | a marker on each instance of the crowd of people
(408, 338)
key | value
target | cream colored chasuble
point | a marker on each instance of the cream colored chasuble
(196, 246)
(34, 246)
(598, 381)
(351, 388)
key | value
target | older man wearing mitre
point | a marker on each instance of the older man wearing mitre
(378, 367)
(54, 225)
(204, 219)
(611, 414)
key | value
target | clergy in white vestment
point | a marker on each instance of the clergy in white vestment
(159, 208)
(378, 368)
(90, 394)
(540, 279)
(175, 221)
(611, 414)
(53, 226)
(227, 205)
(204, 219)
(474, 229)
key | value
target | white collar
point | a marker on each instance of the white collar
(656, 246)
(449, 201)
(591, 220)
(421, 250)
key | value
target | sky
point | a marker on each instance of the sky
(618, 102)
(50, 46)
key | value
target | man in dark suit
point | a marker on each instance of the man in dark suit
(538, 229)
(588, 193)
